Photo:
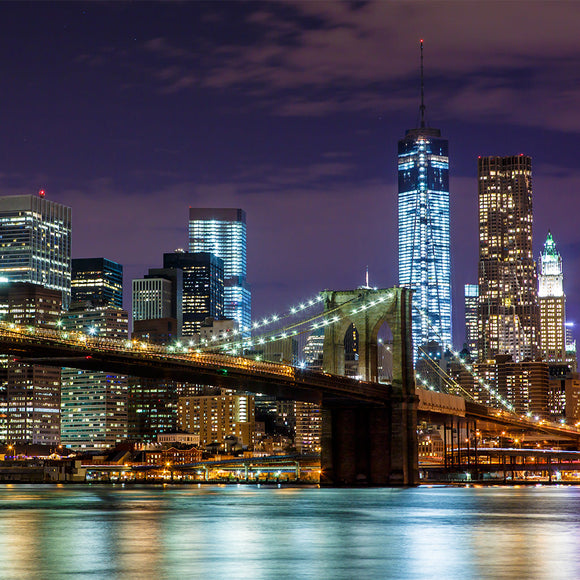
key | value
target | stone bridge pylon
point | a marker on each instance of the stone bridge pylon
(372, 444)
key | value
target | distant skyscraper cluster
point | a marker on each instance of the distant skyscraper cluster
(197, 295)
(515, 318)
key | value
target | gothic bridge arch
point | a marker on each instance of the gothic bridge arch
(376, 444)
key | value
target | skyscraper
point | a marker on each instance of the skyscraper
(424, 254)
(222, 231)
(552, 301)
(35, 242)
(471, 309)
(203, 287)
(508, 313)
(98, 281)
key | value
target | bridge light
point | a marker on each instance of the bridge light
(292, 310)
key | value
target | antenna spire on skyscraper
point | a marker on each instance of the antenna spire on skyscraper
(422, 107)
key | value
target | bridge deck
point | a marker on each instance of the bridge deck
(67, 349)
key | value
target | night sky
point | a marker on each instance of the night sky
(132, 112)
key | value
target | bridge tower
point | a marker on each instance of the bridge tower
(372, 444)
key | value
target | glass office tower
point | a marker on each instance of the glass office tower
(35, 242)
(424, 256)
(222, 231)
(97, 280)
(203, 288)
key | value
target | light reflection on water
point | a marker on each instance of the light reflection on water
(260, 533)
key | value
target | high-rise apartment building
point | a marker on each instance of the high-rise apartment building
(471, 310)
(35, 242)
(215, 417)
(508, 312)
(552, 301)
(222, 231)
(98, 281)
(94, 403)
(424, 246)
(32, 392)
(524, 384)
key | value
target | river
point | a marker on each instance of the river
(248, 532)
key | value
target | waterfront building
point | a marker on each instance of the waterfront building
(552, 301)
(94, 403)
(35, 242)
(508, 312)
(222, 231)
(424, 242)
(98, 281)
(308, 427)
(217, 417)
(203, 288)
(471, 313)
(32, 392)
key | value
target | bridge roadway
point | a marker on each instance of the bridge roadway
(37, 345)
(442, 404)
(78, 350)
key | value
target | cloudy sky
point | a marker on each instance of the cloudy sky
(132, 112)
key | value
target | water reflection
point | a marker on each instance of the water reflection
(259, 533)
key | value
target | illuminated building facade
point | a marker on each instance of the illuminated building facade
(214, 418)
(552, 301)
(471, 309)
(424, 248)
(35, 242)
(203, 288)
(308, 430)
(94, 403)
(508, 312)
(32, 391)
(98, 281)
(151, 298)
(222, 231)
(525, 385)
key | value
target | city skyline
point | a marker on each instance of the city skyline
(131, 113)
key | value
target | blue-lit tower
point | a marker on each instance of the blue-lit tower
(424, 256)
(222, 232)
